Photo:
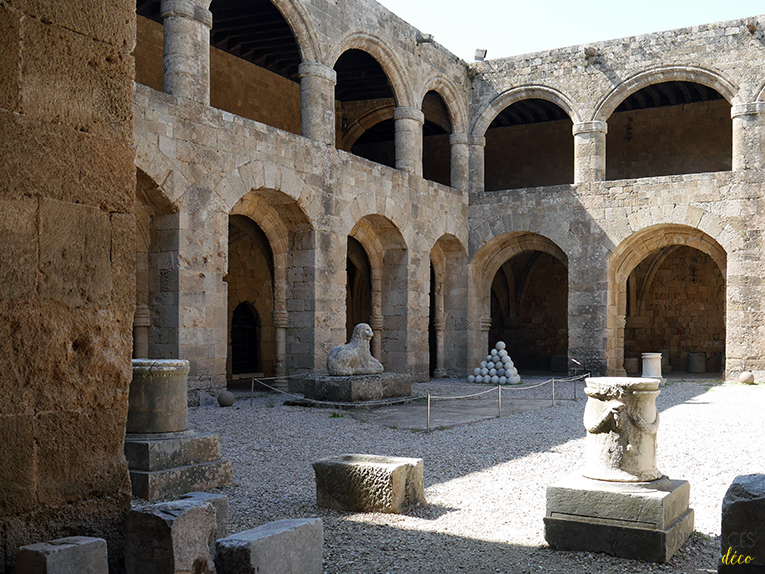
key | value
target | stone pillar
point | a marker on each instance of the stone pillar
(317, 101)
(141, 324)
(376, 322)
(484, 339)
(440, 328)
(281, 321)
(187, 25)
(652, 366)
(157, 402)
(409, 122)
(621, 421)
(476, 165)
(460, 172)
(590, 151)
(748, 135)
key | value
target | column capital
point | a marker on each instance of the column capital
(477, 140)
(187, 9)
(589, 128)
(747, 109)
(318, 70)
(376, 322)
(485, 324)
(142, 317)
(459, 139)
(407, 113)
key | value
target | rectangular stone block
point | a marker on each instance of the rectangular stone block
(282, 547)
(171, 482)
(743, 526)
(18, 250)
(357, 388)
(369, 483)
(171, 538)
(72, 555)
(155, 453)
(640, 521)
(10, 57)
(220, 502)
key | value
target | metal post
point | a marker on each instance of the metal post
(553, 391)
(499, 401)
(428, 427)
(252, 390)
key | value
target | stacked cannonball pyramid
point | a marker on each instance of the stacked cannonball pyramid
(497, 369)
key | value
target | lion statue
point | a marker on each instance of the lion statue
(354, 358)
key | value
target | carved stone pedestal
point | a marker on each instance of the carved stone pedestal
(164, 457)
(619, 503)
(357, 388)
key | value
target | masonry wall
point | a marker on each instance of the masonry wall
(692, 138)
(529, 155)
(67, 239)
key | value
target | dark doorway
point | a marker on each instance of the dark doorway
(245, 340)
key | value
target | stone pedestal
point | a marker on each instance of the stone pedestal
(357, 388)
(642, 521)
(620, 503)
(164, 457)
(369, 483)
(78, 554)
(652, 366)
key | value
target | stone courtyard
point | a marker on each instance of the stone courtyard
(484, 482)
(237, 184)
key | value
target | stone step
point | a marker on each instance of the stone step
(152, 485)
(150, 453)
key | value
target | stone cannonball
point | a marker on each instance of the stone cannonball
(503, 380)
(486, 379)
(746, 378)
(484, 372)
(477, 371)
(495, 379)
(492, 372)
(471, 379)
(506, 359)
(502, 353)
(483, 364)
(494, 352)
(489, 358)
(226, 398)
(501, 346)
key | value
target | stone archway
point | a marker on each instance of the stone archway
(485, 265)
(386, 251)
(656, 241)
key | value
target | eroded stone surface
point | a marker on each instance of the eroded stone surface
(743, 527)
(282, 547)
(354, 358)
(369, 483)
(72, 555)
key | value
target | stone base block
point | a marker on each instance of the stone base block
(358, 388)
(72, 555)
(220, 503)
(175, 463)
(171, 537)
(282, 547)
(743, 529)
(646, 521)
(369, 483)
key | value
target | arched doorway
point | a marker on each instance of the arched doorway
(358, 288)
(245, 340)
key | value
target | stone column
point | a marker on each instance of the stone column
(409, 122)
(460, 148)
(317, 101)
(440, 327)
(141, 324)
(748, 135)
(187, 25)
(281, 320)
(476, 165)
(484, 340)
(376, 322)
(590, 151)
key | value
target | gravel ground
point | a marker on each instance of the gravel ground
(484, 482)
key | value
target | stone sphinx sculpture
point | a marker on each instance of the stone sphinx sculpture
(354, 358)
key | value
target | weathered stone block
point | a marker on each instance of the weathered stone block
(369, 483)
(172, 537)
(75, 243)
(72, 555)
(172, 450)
(358, 387)
(158, 402)
(10, 56)
(93, 81)
(17, 473)
(220, 502)
(641, 521)
(282, 547)
(743, 526)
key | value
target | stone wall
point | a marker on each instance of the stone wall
(67, 294)
(529, 155)
(692, 138)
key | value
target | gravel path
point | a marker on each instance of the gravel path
(484, 482)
